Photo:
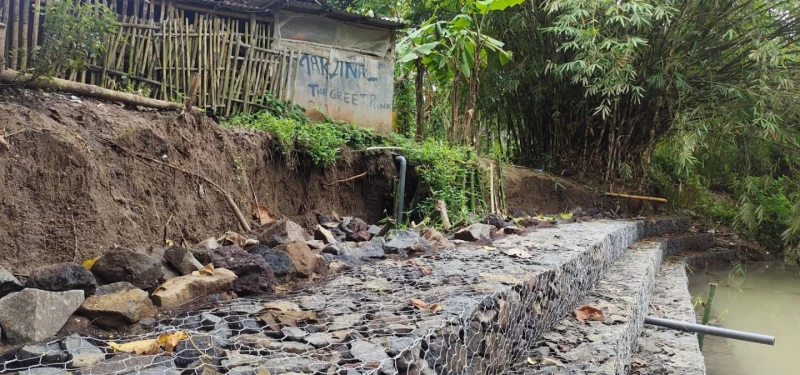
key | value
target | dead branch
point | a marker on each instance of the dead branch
(347, 179)
(15, 133)
(228, 197)
(166, 226)
(640, 197)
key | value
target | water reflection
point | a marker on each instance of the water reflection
(764, 299)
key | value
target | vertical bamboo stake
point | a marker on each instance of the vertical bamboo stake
(26, 5)
(492, 206)
(712, 288)
(186, 52)
(15, 35)
(35, 34)
(164, 45)
(248, 69)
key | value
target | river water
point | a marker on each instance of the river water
(764, 298)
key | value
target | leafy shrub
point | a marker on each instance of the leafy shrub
(74, 33)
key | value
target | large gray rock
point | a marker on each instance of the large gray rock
(406, 241)
(42, 354)
(179, 290)
(254, 274)
(125, 304)
(34, 315)
(476, 232)
(122, 264)
(366, 352)
(62, 277)
(278, 261)
(188, 351)
(8, 283)
(182, 260)
(282, 232)
(81, 352)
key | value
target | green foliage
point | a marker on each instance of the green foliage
(442, 170)
(74, 33)
(282, 109)
(322, 142)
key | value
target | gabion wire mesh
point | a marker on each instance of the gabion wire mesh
(463, 311)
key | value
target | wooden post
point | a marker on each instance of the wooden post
(712, 288)
(2, 46)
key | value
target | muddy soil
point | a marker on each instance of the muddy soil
(66, 194)
(542, 193)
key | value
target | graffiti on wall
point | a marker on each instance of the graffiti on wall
(346, 87)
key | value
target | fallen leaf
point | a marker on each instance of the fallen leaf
(530, 361)
(263, 215)
(422, 305)
(552, 361)
(566, 215)
(505, 279)
(270, 321)
(489, 248)
(170, 340)
(516, 252)
(208, 270)
(418, 303)
(590, 313)
(88, 264)
(143, 347)
(3, 144)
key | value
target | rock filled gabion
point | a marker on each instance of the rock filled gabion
(458, 311)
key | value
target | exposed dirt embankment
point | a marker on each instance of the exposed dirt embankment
(65, 194)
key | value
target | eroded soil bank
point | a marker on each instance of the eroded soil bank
(66, 194)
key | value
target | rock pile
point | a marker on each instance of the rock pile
(125, 287)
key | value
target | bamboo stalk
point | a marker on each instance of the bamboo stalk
(640, 197)
(35, 32)
(712, 288)
(186, 53)
(57, 84)
(164, 48)
(14, 35)
(23, 33)
(232, 85)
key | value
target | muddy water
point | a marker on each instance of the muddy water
(765, 300)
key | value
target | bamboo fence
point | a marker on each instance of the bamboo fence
(161, 45)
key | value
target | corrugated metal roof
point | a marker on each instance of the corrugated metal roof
(316, 7)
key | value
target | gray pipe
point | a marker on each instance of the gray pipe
(401, 190)
(709, 330)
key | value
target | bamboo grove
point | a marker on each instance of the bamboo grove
(676, 97)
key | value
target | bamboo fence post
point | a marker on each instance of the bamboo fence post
(35, 32)
(164, 47)
(2, 46)
(23, 33)
(15, 35)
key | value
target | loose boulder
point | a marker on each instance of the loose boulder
(359, 236)
(475, 232)
(437, 239)
(34, 315)
(406, 241)
(117, 305)
(123, 264)
(254, 275)
(282, 232)
(8, 283)
(278, 261)
(324, 235)
(179, 290)
(81, 352)
(182, 260)
(305, 262)
(62, 277)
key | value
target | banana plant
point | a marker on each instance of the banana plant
(454, 50)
